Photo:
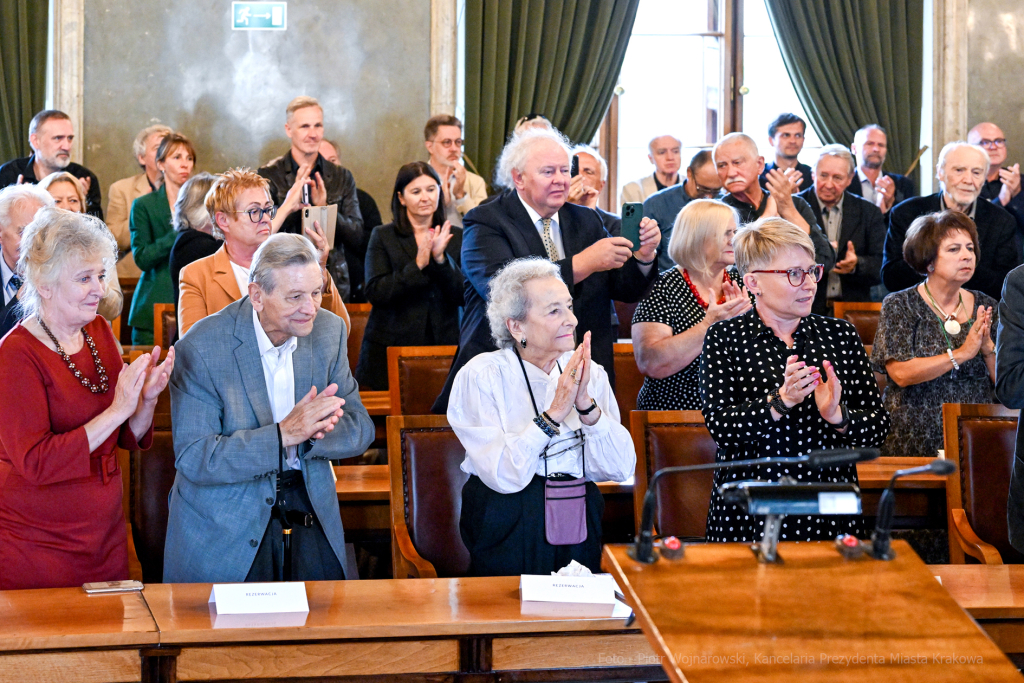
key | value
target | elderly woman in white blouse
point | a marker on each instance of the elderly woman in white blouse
(539, 424)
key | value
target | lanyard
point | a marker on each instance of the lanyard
(536, 412)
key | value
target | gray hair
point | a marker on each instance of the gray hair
(54, 239)
(282, 250)
(950, 146)
(840, 152)
(733, 138)
(517, 152)
(139, 144)
(506, 295)
(190, 208)
(587, 149)
(650, 145)
(13, 196)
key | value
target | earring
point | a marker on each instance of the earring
(522, 342)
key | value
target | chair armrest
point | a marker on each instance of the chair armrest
(969, 541)
(413, 565)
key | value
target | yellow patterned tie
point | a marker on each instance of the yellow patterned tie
(549, 240)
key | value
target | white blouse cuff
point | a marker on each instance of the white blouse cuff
(599, 428)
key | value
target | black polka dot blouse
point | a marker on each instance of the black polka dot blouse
(671, 302)
(742, 363)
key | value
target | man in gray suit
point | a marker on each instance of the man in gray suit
(253, 434)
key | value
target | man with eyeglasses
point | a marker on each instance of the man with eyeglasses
(961, 170)
(884, 190)
(1002, 184)
(328, 183)
(701, 182)
(463, 190)
(244, 216)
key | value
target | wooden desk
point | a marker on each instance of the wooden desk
(414, 629)
(62, 634)
(376, 402)
(993, 595)
(804, 619)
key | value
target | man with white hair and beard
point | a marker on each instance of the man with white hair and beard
(51, 134)
(961, 171)
(535, 219)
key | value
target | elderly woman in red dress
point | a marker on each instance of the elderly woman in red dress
(67, 402)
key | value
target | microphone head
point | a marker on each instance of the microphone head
(940, 466)
(841, 456)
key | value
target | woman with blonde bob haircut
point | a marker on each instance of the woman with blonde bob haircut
(670, 323)
(779, 381)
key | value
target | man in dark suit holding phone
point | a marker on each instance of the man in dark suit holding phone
(535, 219)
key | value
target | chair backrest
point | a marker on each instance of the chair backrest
(358, 314)
(864, 316)
(424, 456)
(624, 312)
(416, 377)
(980, 439)
(628, 380)
(165, 324)
(667, 438)
(152, 475)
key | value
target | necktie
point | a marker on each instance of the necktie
(14, 284)
(549, 240)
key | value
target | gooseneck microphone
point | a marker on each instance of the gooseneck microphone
(881, 538)
(643, 548)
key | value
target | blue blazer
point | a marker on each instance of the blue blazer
(226, 448)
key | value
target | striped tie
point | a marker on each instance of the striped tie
(549, 240)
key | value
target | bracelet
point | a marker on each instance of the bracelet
(956, 366)
(645, 263)
(588, 411)
(551, 421)
(545, 427)
(845, 421)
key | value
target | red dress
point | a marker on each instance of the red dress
(61, 521)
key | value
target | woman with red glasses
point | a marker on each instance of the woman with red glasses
(781, 382)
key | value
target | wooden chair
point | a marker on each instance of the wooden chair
(115, 327)
(980, 439)
(424, 456)
(628, 380)
(624, 312)
(359, 314)
(165, 324)
(666, 438)
(416, 376)
(864, 316)
(151, 477)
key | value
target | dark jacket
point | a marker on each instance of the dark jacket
(1010, 390)
(190, 245)
(10, 171)
(997, 256)
(905, 188)
(411, 307)
(341, 190)
(356, 259)
(863, 225)
(664, 206)
(501, 230)
(806, 179)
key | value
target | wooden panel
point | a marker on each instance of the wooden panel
(312, 659)
(362, 483)
(104, 666)
(877, 473)
(572, 652)
(985, 591)
(376, 402)
(365, 515)
(1008, 635)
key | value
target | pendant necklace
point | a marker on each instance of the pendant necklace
(949, 321)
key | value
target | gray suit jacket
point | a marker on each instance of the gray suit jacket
(226, 448)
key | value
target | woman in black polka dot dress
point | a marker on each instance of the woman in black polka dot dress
(670, 323)
(779, 381)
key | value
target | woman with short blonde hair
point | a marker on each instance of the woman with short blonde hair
(66, 191)
(780, 381)
(670, 323)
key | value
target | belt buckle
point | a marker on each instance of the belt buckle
(307, 521)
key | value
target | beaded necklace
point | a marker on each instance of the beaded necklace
(104, 384)
(696, 294)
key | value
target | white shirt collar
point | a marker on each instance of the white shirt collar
(534, 216)
(266, 346)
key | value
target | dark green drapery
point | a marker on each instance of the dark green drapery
(23, 38)
(560, 58)
(855, 62)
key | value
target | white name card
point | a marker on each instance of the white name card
(591, 590)
(259, 598)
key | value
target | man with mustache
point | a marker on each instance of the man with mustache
(961, 170)
(884, 190)
(51, 134)
(739, 168)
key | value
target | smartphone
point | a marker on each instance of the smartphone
(112, 587)
(575, 171)
(632, 214)
(305, 195)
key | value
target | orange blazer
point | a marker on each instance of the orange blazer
(208, 285)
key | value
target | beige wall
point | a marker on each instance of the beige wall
(179, 62)
(995, 78)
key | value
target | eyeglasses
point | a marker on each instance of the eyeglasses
(993, 144)
(256, 215)
(450, 143)
(706, 192)
(797, 275)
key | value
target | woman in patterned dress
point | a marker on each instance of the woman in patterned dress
(779, 381)
(669, 325)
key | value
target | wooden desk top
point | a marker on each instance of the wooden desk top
(985, 591)
(876, 474)
(371, 609)
(376, 402)
(804, 619)
(363, 483)
(57, 618)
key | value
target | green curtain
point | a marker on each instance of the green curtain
(23, 37)
(560, 58)
(855, 62)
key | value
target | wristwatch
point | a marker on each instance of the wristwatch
(775, 401)
(846, 417)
